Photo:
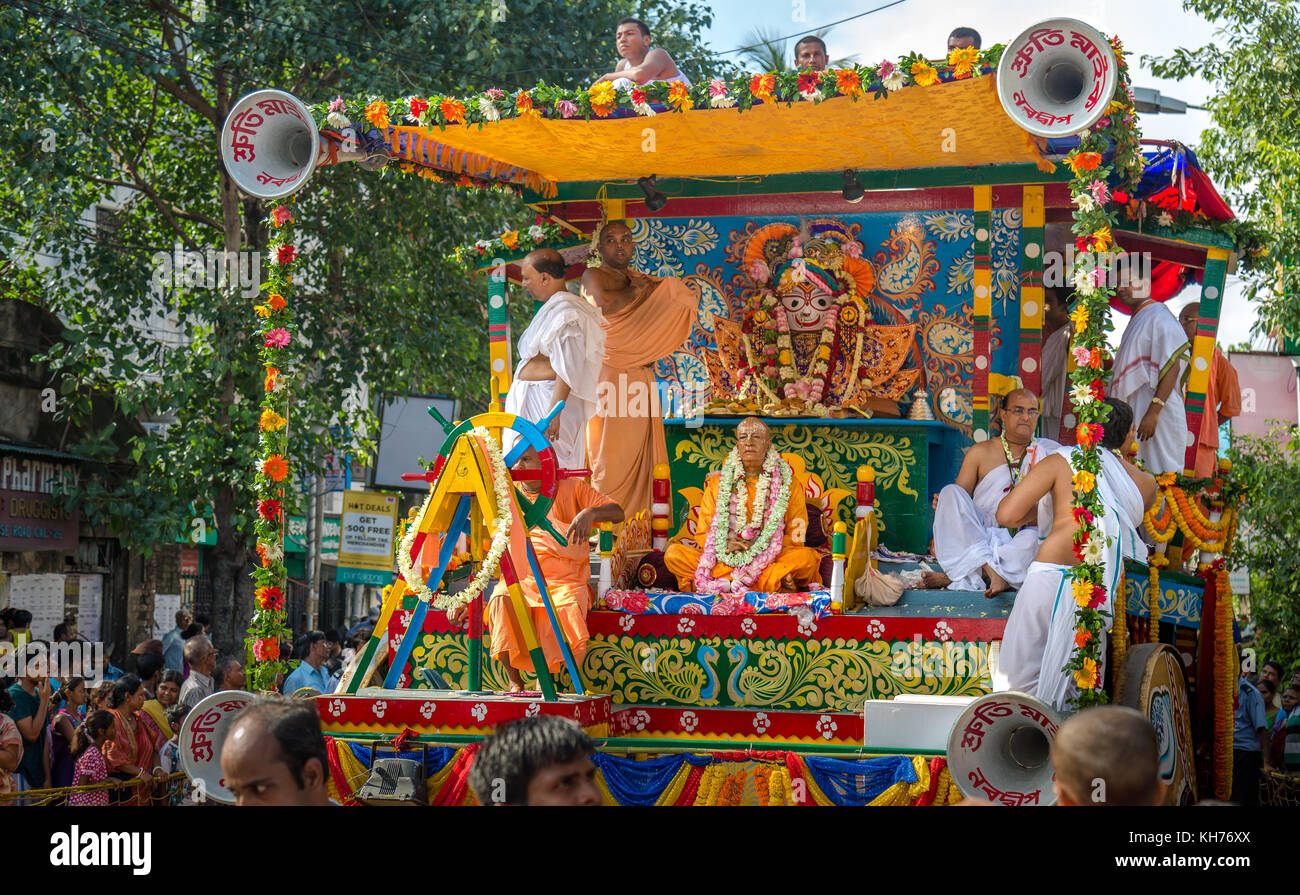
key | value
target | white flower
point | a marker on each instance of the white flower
(626, 622)
(1083, 281)
(379, 708)
(404, 620)
(336, 707)
(724, 101)
(943, 631)
(643, 109)
(1165, 219)
(479, 711)
(748, 626)
(812, 95)
(426, 709)
(536, 233)
(532, 710)
(761, 722)
(875, 628)
(273, 551)
(482, 244)
(685, 625)
(894, 80)
(688, 721)
(1096, 549)
(1081, 394)
(337, 120)
(1084, 202)
(826, 726)
(488, 110)
(639, 720)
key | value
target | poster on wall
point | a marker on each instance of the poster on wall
(165, 607)
(90, 605)
(366, 541)
(42, 596)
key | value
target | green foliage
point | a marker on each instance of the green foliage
(122, 103)
(1253, 149)
(1268, 538)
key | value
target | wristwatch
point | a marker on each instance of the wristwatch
(1156, 401)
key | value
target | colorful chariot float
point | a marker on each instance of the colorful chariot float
(900, 220)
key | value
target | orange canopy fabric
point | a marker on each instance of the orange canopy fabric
(908, 129)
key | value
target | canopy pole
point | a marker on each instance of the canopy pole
(982, 205)
(1207, 329)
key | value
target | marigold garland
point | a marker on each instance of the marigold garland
(1115, 135)
(268, 626)
(1155, 563)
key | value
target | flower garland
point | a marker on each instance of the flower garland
(603, 100)
(268, 626)
(1155, 563)
(732, 517)
(512, 242)
(1177, 513)
(503, 492)
(1116, 132)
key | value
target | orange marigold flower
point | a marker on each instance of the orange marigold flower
(510, 239)
(271, 374)
(1086, 677)
(847, 82)
(271, 420)
(377, 114)
(275, 301)
(1083, 161)
(275, 467)
(963, 61)
(524, 104)
(679, 97)
(1081, 638)
(762, 86)
(453, 110)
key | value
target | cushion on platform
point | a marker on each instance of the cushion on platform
(816, 535)
(652, 573)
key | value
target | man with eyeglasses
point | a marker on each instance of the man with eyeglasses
(973, 550)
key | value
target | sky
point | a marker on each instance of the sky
(1146, 27)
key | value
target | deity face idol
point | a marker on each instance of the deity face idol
(807, 304)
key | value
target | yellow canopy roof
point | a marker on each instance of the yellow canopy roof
(905, 130)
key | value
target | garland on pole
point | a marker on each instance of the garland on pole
(274, 317)
(1116, 132)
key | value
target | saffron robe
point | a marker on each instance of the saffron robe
(967, 534)
(1152, 343)
(625, 439)
(567, 330)
(567, 572)
(794, 559)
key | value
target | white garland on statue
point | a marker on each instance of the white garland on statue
(500, 535)
(769, 516)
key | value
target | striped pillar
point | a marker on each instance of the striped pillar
(659, 508)
(1207, 327)
(983, 311)
(498, 336)
(838, 539)
(1031, 291)
(606, 579)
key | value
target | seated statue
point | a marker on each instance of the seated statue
(810, 344)
(753, 538)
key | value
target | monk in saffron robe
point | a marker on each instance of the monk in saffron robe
(781, 562)
(567, 571)
(646, 319)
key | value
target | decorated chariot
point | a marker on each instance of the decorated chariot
(869, 248)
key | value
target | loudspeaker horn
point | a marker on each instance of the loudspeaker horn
(998, 749)
(270, 144)
(203, 733)
(1057, 78)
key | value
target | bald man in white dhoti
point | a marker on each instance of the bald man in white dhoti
(560, 355)
(1146, 372)
(1039, 637)
(974, 551)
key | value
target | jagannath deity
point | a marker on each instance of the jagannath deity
(809, 343)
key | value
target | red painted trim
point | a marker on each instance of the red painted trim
(749, 725)
(486, 712)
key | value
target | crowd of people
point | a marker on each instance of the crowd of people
(1266, 729)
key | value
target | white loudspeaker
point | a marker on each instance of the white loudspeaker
(998, 749)
(203, 733)
(1057, 78)
(269, 144)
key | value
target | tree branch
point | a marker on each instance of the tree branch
(186, 91)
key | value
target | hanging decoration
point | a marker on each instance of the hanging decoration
(274, 318)
(1108, 156)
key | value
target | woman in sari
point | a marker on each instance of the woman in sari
(169, 691)
(130, 753)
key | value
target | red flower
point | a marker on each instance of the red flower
(1082, 515)
(1098, 596)
(1087, 434)
(638, 96)
(270, 598)
(1078, 548)
(285, 254)
(269, 509)
(418, 107)
(1081, 243)
(808, 81)
(1098, 390)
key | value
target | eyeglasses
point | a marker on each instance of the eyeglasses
(1030, 412)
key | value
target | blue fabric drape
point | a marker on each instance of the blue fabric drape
(637, 783)
(858, 782)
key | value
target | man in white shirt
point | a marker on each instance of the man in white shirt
(640, 64)
(1145, 377)
(202, 656)
(560, 355)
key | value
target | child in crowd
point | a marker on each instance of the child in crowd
(1107, 755)
(87, 746)
(543, 760)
